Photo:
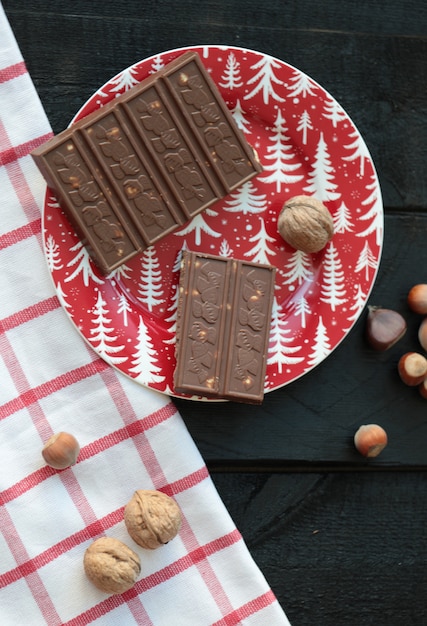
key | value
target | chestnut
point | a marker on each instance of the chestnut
(384, 328)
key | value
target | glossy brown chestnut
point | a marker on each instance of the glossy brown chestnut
(384, 328)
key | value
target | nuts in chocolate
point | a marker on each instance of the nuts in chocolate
(152, 518)
(223, 327)
(305, 224)
(147, 162)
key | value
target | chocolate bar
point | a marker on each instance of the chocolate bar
(223, 327)
(146, 163)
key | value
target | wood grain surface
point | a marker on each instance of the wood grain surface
(337, 550)
(340, 540)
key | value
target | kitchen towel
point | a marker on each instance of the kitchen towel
(131, 438)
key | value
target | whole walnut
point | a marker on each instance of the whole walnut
(305, 224)
(152, 518)
(111, 565)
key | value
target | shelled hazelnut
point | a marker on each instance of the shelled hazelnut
(305, 224)
(61, 450)
(370, 440)
(111, 565)
(152, 518)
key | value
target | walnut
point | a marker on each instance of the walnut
(152, 518)
(305, 224)
(111, 566)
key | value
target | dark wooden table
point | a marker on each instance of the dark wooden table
(341, 541)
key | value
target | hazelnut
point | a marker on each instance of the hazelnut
(417, 299)
(152, 518)
(370, 440)
(111, 565)
(61, 450)
(412, 368)
(422, 334)
(305, 224)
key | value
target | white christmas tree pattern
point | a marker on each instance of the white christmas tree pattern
(157, 64)
(53, 255)
(145, 361)
(173, 307)
(299, 268)
(366, 261)
(125, 80)
(62, 299)
(83, 266)
(342, 219)
(240, 118)
(374, 214)
(199, 225)
(302, 309)
(321, 347)
(280, 154)
(102, 337)
(360, 151)
(121, 272)
(177, 263)
(304, 125)
(245, 200)
(302, 85)
(124, 308)
(279, 351)
(231, 78)
(260, 252)
(321, 175)
(265, 80)
(358, 303)
(332, 289)
(173, 315)
(150, 288)
(224, 249)
(333, 111)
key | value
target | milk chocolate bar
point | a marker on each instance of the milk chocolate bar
(147, 162)
(223, 327)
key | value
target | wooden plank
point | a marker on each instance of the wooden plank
(336, 15)
(336, 549)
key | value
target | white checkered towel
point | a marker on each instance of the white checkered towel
(131, 438)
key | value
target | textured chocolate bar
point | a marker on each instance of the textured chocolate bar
(223, 327)
(147, 162)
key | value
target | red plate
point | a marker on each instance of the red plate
(307, 145)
